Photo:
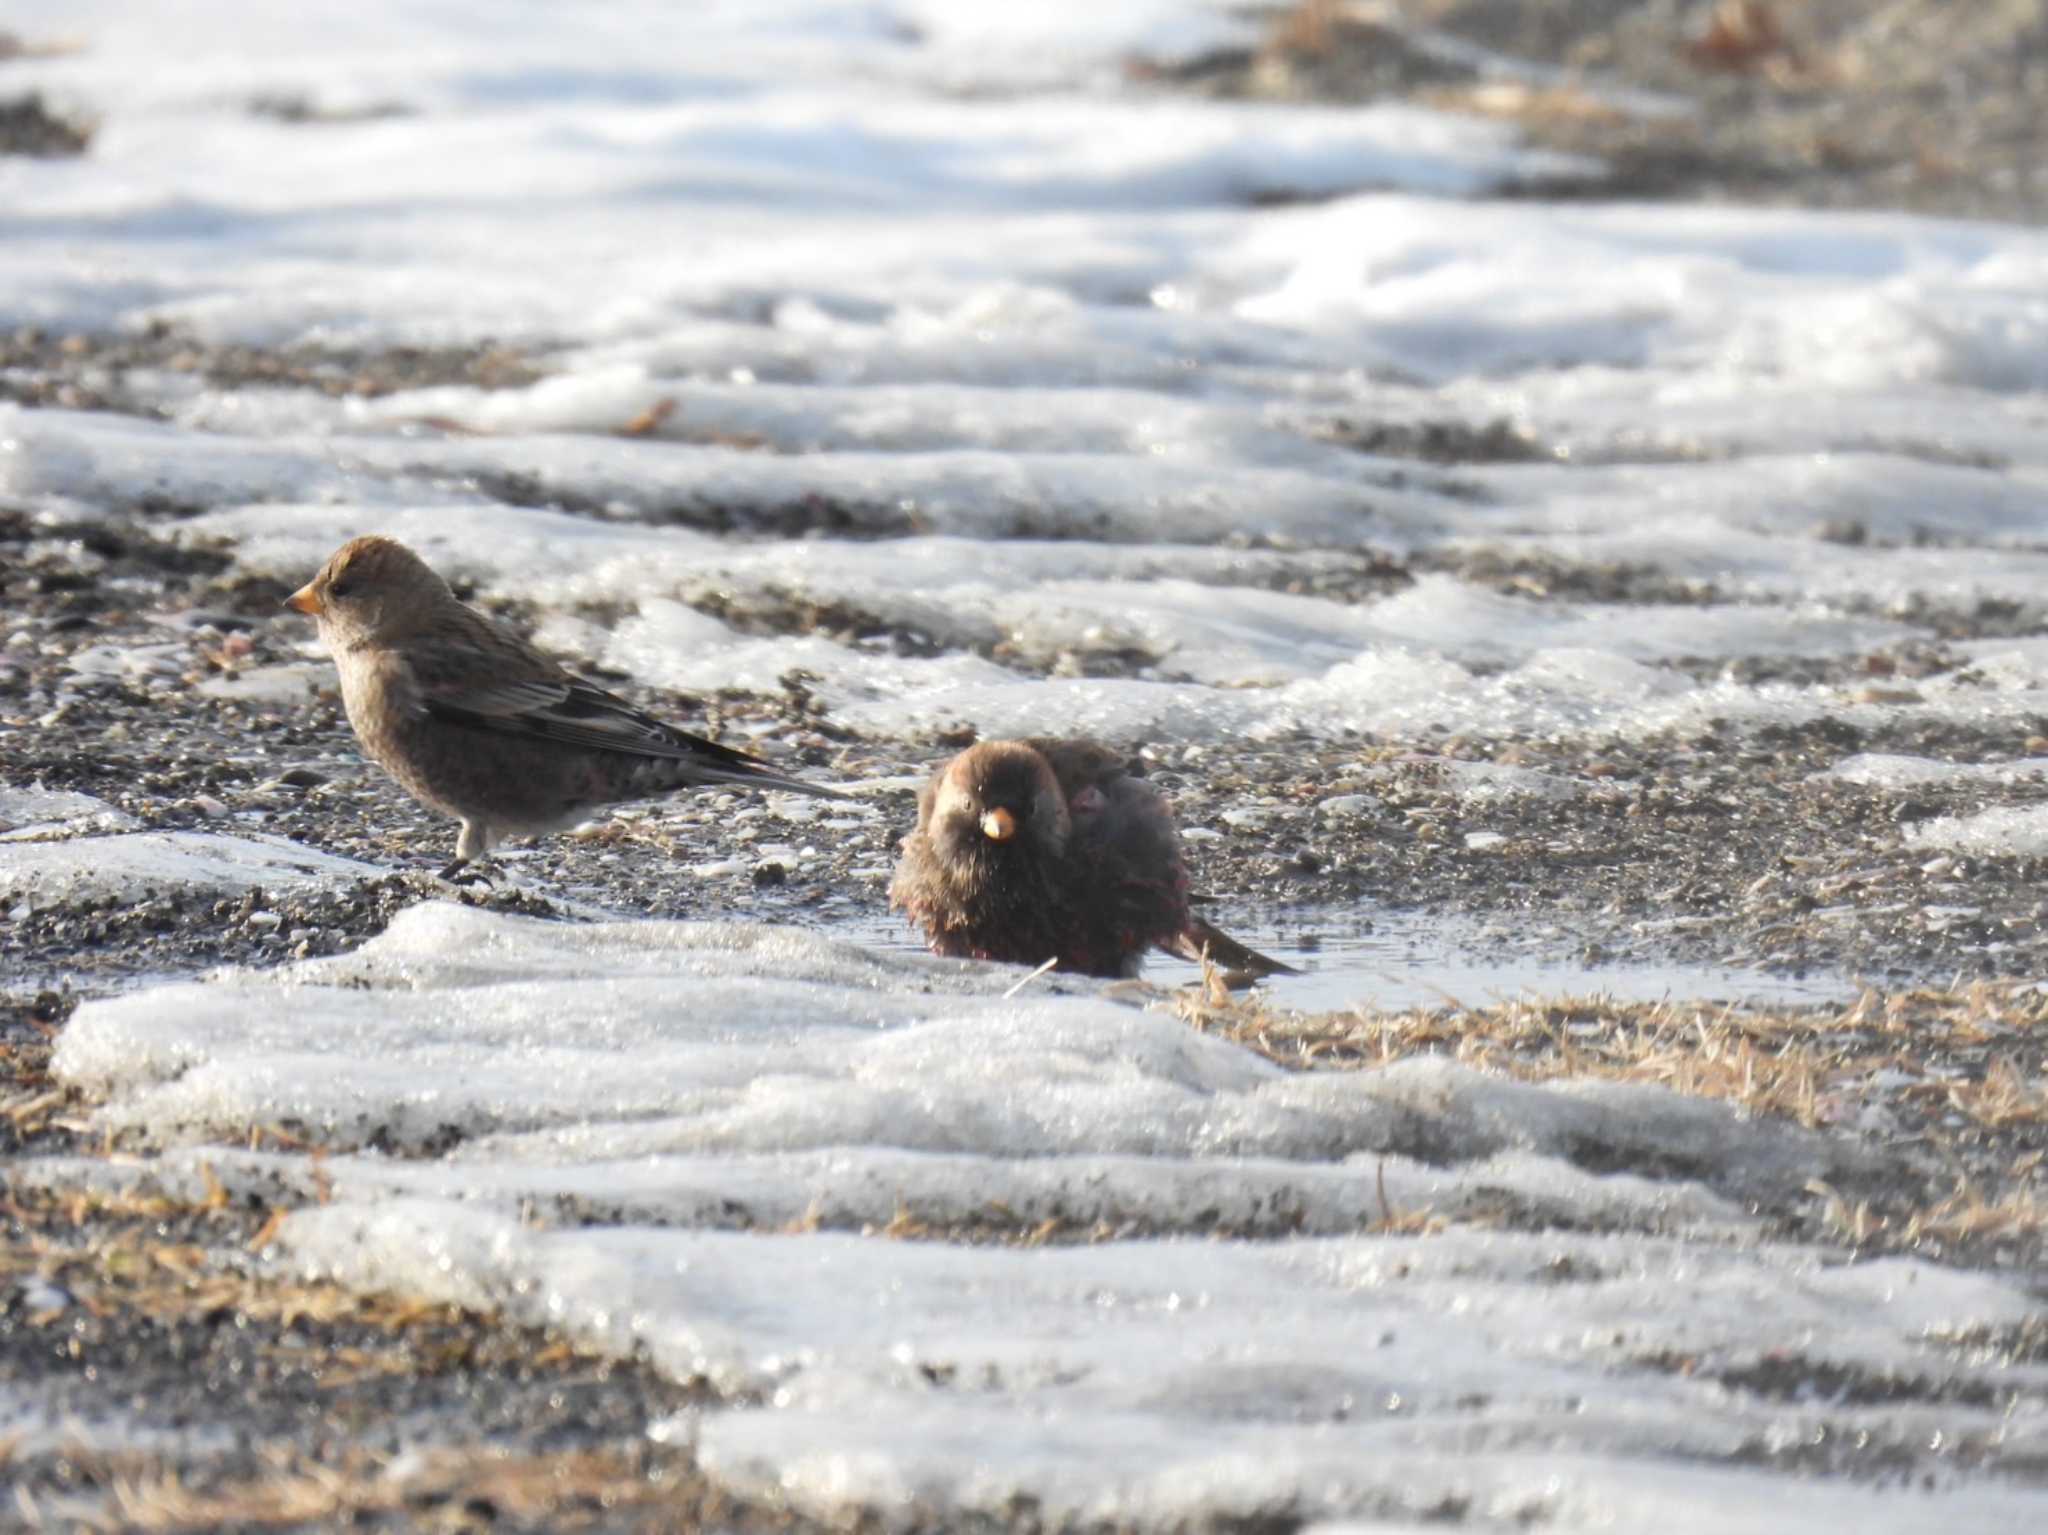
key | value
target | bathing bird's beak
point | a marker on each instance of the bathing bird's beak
(999, 825)
(307, 601)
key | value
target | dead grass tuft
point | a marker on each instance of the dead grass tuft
(170, 1260)
(1976, 1051)
(1959, 1074)
(1305, 29)
(644, 1488)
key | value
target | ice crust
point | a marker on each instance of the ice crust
(2005, 831)
(732, 1039)
(1160, 1380)
(667, 1137)
(137, 866)
(46, 815)
(35, 1426)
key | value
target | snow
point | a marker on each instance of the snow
(1849, 301)
(1078, 339)
(2005, 831)
(966, 333)
(1883, 770)
(293, 682)
(672, 1093)
(43, 815)
(723, 1082)
(448, 1025)
(140, 865)
(1151, 1381)
(36, 1425)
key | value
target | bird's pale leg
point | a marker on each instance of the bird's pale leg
(472, 848)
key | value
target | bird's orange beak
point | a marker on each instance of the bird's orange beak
(999, 825)
(306, 601)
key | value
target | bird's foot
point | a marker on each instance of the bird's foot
(466, 873)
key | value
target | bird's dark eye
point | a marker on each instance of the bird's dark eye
(342, 588)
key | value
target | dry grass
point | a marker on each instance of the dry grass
(1961, 1074)
(1306, 28)
(994, 1225)
(467, 1489)
(1517, 101)
(31, 1111)
(128, 1265)
(121, 1257)
(1975, 1051)
(2017, 1217)
(1968, 1215)
(167, 1260)
(14, 46)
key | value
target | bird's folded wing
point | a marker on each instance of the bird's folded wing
(575, 713)
(1078, 763)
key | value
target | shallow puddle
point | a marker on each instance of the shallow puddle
(1392, 960)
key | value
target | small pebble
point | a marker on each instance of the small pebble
(42, 1299)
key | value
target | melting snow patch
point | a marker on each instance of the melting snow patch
(2015, 831)
(1158, 1382)
(135, 865)
(45, 815)
(36, 1422)
(1880, 770)
(293, 682)
(514, 1039)
(634, 1131)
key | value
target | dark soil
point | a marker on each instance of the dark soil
(1921, 105)
(85, 372)
(28, 127)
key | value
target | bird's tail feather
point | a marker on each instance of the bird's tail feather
(759, 775)
(1201, 937)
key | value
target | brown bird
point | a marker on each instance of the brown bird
(1028, 851)
(475, 722)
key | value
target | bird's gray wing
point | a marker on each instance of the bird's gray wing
(561, 709)
(573, 712)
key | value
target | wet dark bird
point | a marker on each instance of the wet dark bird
(475, 722)
(1036, 850)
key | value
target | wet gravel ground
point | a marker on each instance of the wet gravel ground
(1722, 845)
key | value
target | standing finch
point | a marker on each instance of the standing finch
(1028, 851)
(475, 722)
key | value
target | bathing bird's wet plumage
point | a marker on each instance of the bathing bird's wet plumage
(1035, 850)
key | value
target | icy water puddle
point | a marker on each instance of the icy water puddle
(1393, 960)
